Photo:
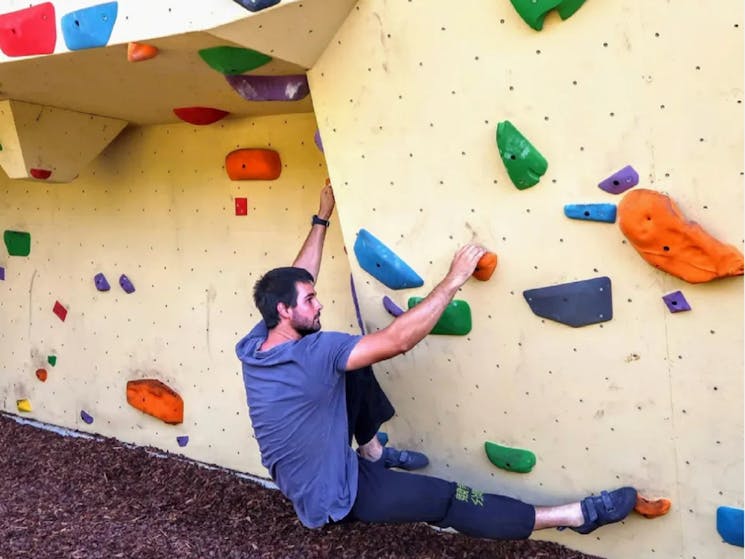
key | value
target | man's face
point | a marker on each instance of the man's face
(305, 316)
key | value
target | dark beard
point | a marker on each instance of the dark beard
(304, 330)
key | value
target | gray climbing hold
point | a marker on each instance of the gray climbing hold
(576, 303)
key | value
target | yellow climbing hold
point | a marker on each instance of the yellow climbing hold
(23, 405)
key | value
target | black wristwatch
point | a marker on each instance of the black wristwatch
(318, 221)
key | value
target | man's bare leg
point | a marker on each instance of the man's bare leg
(562, 515)
(371, 450)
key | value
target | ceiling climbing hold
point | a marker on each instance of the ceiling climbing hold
(29, 31)
(200, 116)
(270, 88)
(257, 5)
(534, 11)
(137, 52)
(233, 60)
(89, 27)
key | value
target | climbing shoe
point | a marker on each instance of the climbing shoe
(405, 459)
(606, 508)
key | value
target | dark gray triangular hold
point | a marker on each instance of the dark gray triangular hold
(578, 303)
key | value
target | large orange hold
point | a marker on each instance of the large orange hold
(253, 164)
(652, 508)
(662, 235)
(157, 399)
(485, 266)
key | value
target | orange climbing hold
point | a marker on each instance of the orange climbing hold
(41, 374)
(662, 235)
(485, 266)
(651, 509)
(253, 164)
(137, 52)
(157, 399)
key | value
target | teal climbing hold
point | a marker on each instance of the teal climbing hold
(89, 27)
(383, 264)
(534, 11)
(525, 165)
(455, 320)
(730, 525)
(233, 60)
(18, 243)
(591, 212)
(512, 459)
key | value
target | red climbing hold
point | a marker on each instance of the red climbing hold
(241, 206)
(200, 115)
(42, 174)
(60, 311)
(41, 374)
(29, 31)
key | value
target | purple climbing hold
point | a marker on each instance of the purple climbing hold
(86, 417)
(676, 302)
(392, 307)
(101, 284)
(317, 140)
(269, 88)
(182, 440)
(126, 284)
(620, 181)
(2, 273)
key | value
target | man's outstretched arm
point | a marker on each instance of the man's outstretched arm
(310, 254)
(411, 327)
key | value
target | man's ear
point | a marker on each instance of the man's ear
(283, 310)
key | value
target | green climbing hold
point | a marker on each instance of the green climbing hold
(52, 360)
(525, 165)
(455, 321)
(18, 243)
(512, 459)
(233, 60)
(534, 11)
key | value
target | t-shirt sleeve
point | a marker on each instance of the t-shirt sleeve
(330, 350)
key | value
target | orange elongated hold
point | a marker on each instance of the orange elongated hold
(137, 52)
(157, 399)
(485, 266)
(662, 235)
(651, 508)
(253, 164)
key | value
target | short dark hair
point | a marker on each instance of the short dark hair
(278, 286)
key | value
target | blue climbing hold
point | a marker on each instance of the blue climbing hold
(382, 263)
(89, 27)
(256, 5)
(576, 304)
(591, 212)
(676, 302)
(101, 283)
(730, 525)
(85, 416)
(2, 273)
(183, 440)
(126, 284)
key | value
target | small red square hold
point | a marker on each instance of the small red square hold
(60, 311)
(241, 206)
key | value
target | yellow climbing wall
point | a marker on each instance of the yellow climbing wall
(158, 207)
(408, 96)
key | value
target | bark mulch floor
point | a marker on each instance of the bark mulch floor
(72, 497)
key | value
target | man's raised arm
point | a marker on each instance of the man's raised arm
(411, 327)
(310, 254)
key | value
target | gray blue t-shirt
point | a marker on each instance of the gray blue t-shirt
(297, 403)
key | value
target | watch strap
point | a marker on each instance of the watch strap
(318, 221)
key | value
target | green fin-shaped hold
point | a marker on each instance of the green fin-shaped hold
(512, 459)
(18, 243)
(525, 165)
(52, 360)
(233, 60)
(534, 11)
(455, 321)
